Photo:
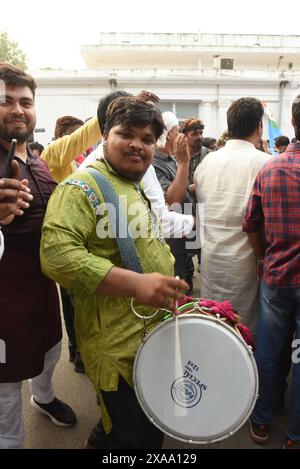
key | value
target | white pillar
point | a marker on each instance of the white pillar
(206, 117)
(222, 114)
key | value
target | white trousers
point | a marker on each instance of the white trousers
(11, 420)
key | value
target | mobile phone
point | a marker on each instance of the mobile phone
(10, 157)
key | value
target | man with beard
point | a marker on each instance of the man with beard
(29, 308)
(193, 129)
(80, 252)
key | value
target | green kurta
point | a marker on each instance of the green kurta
(73, 254)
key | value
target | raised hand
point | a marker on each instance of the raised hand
(181, 149)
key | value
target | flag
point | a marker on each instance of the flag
(271, 128)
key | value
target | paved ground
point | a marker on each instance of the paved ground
(77, 391)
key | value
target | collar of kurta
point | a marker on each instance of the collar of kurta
(103, 161)
(236, 144)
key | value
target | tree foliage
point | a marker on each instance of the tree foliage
(10, 52)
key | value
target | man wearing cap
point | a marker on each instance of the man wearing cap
(173, 175)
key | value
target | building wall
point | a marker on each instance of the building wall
(183, 69)
(209, 100)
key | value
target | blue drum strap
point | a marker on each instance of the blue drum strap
(119, 223)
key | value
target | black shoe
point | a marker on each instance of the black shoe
(98, 439)
(60, 413)
(78, 364)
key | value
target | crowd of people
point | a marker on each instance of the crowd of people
(55, 231)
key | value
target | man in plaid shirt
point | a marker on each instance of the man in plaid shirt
(274, 205)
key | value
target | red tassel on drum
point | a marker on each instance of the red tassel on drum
(224, 308)
(185, 299)
(246, 334)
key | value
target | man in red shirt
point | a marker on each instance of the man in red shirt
(274, 205)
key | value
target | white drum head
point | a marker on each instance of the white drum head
(212, 393)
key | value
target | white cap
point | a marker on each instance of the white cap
(170, 121)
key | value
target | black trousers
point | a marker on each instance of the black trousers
(68, 312)
(131, 428)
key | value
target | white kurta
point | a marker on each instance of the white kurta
(228, 267)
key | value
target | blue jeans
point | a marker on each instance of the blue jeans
(278, 308)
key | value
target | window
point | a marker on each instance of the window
(187, 109)
(166, 106)
(226, 64)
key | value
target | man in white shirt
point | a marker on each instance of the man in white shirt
(223, 184)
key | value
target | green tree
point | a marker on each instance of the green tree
(10, 52)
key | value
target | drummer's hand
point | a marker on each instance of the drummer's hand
(159, 290)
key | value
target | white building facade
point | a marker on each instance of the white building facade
(194, 74)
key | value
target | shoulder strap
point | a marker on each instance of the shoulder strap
(119, 223)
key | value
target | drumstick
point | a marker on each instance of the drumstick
(178, 410)
(176, 301)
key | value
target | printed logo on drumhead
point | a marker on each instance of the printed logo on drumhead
(187, 390)
(185, 393)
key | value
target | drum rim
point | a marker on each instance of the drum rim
(159, 424)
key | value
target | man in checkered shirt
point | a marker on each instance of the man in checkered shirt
(274, 205)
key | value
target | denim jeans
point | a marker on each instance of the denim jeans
(278, 308)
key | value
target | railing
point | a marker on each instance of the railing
(161, 73)
(200, 39)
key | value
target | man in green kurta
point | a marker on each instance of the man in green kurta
(79, 251)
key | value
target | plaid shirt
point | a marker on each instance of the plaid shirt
(275, 204)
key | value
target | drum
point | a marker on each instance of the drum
(196, 379)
